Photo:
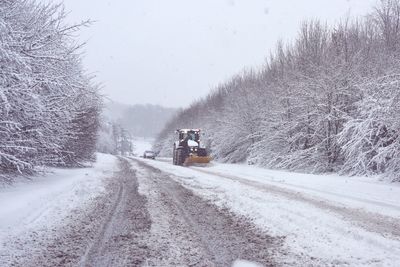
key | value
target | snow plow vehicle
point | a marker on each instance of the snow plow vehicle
(187, 149)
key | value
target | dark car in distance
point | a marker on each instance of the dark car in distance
(149, 154)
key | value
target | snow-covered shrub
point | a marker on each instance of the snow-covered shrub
(371, 140)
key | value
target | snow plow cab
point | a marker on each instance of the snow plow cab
(187, 149)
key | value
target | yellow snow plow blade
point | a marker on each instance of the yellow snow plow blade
(197, 159)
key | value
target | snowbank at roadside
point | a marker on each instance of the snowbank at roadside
(46, 201)
(358, 192)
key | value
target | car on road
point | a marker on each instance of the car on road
(149, 154)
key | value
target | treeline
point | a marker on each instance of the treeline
(328, 102)
(49, 108)
(114, 139)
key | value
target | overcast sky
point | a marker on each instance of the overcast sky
(173, 52)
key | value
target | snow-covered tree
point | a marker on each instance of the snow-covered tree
(48, 105)
(328, 102)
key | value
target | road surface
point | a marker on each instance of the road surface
(137, 212)
(146, 218)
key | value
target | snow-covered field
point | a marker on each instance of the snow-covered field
(32, 207)
(325, 219)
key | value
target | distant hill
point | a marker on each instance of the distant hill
(139, 120)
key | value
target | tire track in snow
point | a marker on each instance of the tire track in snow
(96, 248)
(121, 241)
(200, 233)
(110, 231)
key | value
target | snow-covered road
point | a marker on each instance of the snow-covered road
(186, 230)
(138, 212)
(325, 219)
(123, 213)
